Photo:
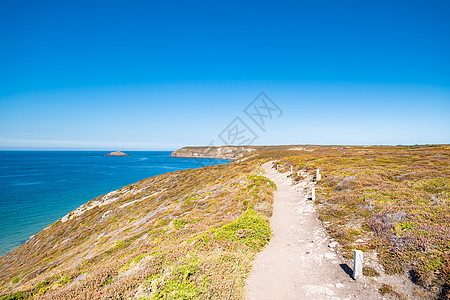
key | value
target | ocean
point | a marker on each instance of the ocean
(39, 187)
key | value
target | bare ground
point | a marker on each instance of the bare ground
(301, 262)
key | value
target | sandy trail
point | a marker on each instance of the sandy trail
(298, 262)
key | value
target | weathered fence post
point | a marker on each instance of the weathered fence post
(358, 258)
(313, 194)
(318, 175)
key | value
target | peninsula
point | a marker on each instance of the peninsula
(223, 152)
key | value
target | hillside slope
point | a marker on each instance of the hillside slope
(176, 235)
(181, 234)
(393, 203)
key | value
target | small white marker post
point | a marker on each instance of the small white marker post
(298, 173)
(358, 258)
(318, 175)
(313, 194)
(291, 170)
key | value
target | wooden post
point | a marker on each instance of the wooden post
(358, 258)
(313, 194)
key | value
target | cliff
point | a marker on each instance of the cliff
(231, 152)
(223, 152)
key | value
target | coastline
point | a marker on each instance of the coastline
(220, 152)
(67, 186)
(204, 219)
(132, 217)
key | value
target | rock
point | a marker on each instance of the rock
(330, 256)
(394, 218)
(116, 153)
(437, 200)
(404, 176)
(332, 244)
(347, 183)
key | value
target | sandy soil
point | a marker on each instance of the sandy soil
(301, 261)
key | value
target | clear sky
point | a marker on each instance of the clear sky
(143, 75)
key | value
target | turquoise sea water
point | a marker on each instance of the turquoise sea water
(39, 187)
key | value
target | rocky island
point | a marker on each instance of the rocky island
(116, 153)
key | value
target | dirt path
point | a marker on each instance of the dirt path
(299, 263)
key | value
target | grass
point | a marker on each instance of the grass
(179, 223)
(386, 289)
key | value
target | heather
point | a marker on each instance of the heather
(392, 202)
(193, 234)
(173, 236)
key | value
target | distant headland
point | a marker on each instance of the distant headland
(116, 153)
(226, 152)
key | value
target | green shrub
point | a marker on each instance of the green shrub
(43, 284)
(252, 229)
(64, 280)
(14, 296)
(179, 223)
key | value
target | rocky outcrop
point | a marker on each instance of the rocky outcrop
(222, 152)
(116, 153)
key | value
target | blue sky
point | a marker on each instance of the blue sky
(160, 75)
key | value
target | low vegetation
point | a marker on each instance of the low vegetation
(181, 235)
(173, 236)
(392, 201)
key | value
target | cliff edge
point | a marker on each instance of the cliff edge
(222, 152)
